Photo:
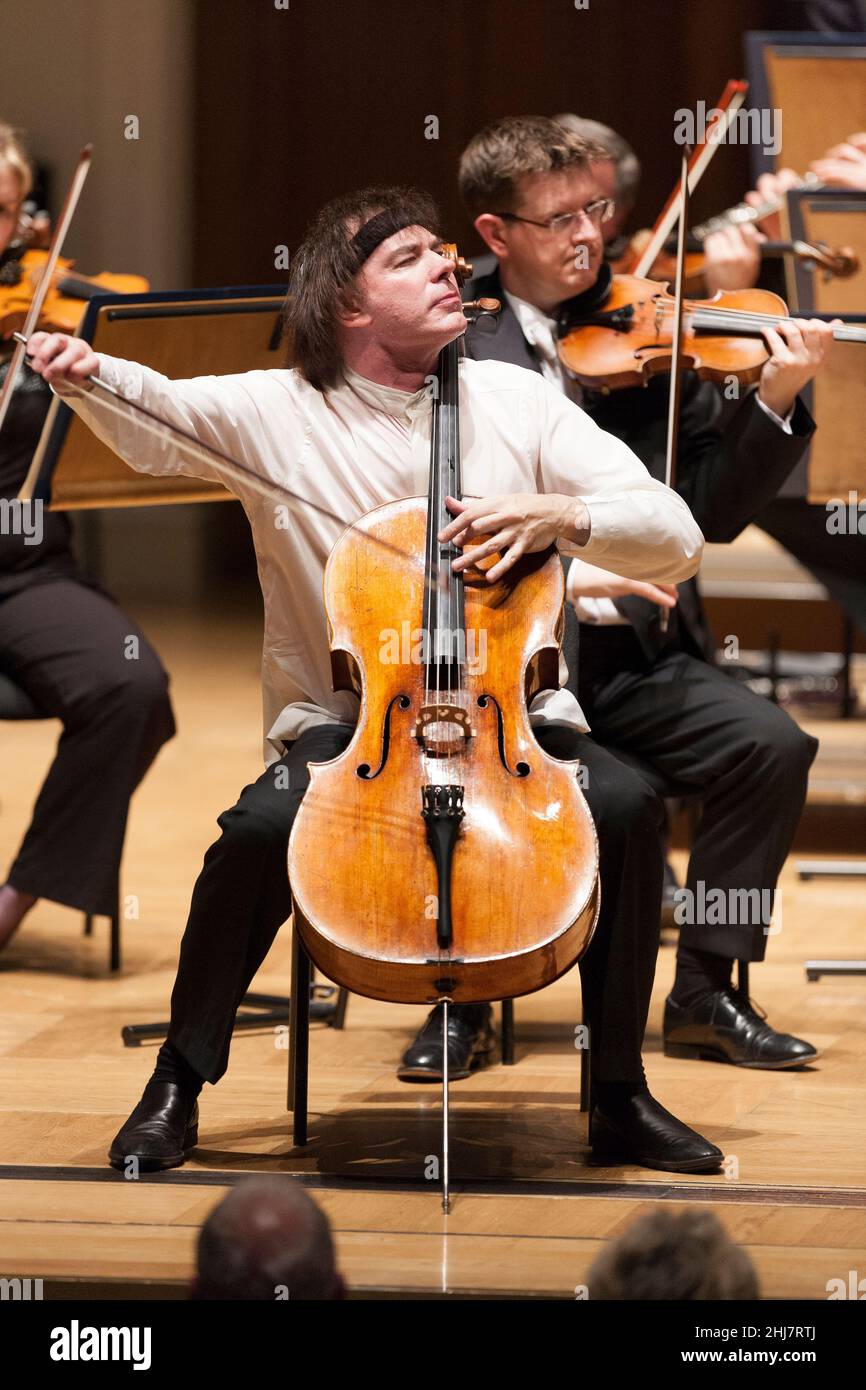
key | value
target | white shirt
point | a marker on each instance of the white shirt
(539, 330)
(360, 445)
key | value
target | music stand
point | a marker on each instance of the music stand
(836, 461)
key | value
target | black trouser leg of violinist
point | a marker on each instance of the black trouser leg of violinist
(618, 968)
(747, 758)
(240, 901)
(69, 646)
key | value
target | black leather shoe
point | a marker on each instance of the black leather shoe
(162, 1128)
(724, 1027)
(470, 1039)
(639, 1130)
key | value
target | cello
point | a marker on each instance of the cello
(443, 856)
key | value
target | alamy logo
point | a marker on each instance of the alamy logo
(854, 1287)
(720, 907)
(748, 126)
(77, 1343)
(413, 647)
(21, 519)
(21, 1290)
(846, 518)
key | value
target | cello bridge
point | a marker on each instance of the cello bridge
(443, 729)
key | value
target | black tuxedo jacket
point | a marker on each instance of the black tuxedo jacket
(726, 474)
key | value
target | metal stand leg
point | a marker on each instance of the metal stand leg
(832, 868)
(446, 1195)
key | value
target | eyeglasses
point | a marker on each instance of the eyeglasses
(599, 211)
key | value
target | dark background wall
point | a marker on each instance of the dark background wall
(294, 105)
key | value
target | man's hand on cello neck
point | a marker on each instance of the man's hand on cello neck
(516, 524)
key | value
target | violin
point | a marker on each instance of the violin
(444, 856)
(619, 333)
(21, 273)
(840, 262)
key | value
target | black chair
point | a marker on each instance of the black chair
(16, 704)
(299, 1040)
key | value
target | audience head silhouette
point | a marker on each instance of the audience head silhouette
(674, 1255)
(267, 1241)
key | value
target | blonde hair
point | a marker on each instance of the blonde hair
(14, 155)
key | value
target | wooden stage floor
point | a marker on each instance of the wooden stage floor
(528, 1214)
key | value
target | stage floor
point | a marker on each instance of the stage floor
(528, 1215)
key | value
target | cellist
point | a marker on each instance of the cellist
(538, 195)
(372, 301)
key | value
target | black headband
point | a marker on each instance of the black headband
(378, 228)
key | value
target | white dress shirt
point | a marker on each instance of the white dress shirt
(363, 444)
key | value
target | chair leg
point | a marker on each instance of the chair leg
(299, 1041)
(114, 946)
(508, 1032)
(114, 938)
(338, 1019)
(585, 1080)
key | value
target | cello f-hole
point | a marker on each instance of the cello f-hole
(363, 769)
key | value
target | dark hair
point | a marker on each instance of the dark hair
(507, 150)
(675, 1256)
(323, 272)
(266, 1240)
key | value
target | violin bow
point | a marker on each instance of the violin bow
(729, 104)
(675, 395)
(227, 466)
(70, 203)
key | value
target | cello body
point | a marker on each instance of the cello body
(522, 872)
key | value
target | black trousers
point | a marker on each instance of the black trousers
(242, 897)
(85, 662)
(690, 724)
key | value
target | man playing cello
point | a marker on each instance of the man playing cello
(372, 301)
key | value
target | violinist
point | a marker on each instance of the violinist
(732, 261)
(652, 696)
(372, 302)
(65, 642)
